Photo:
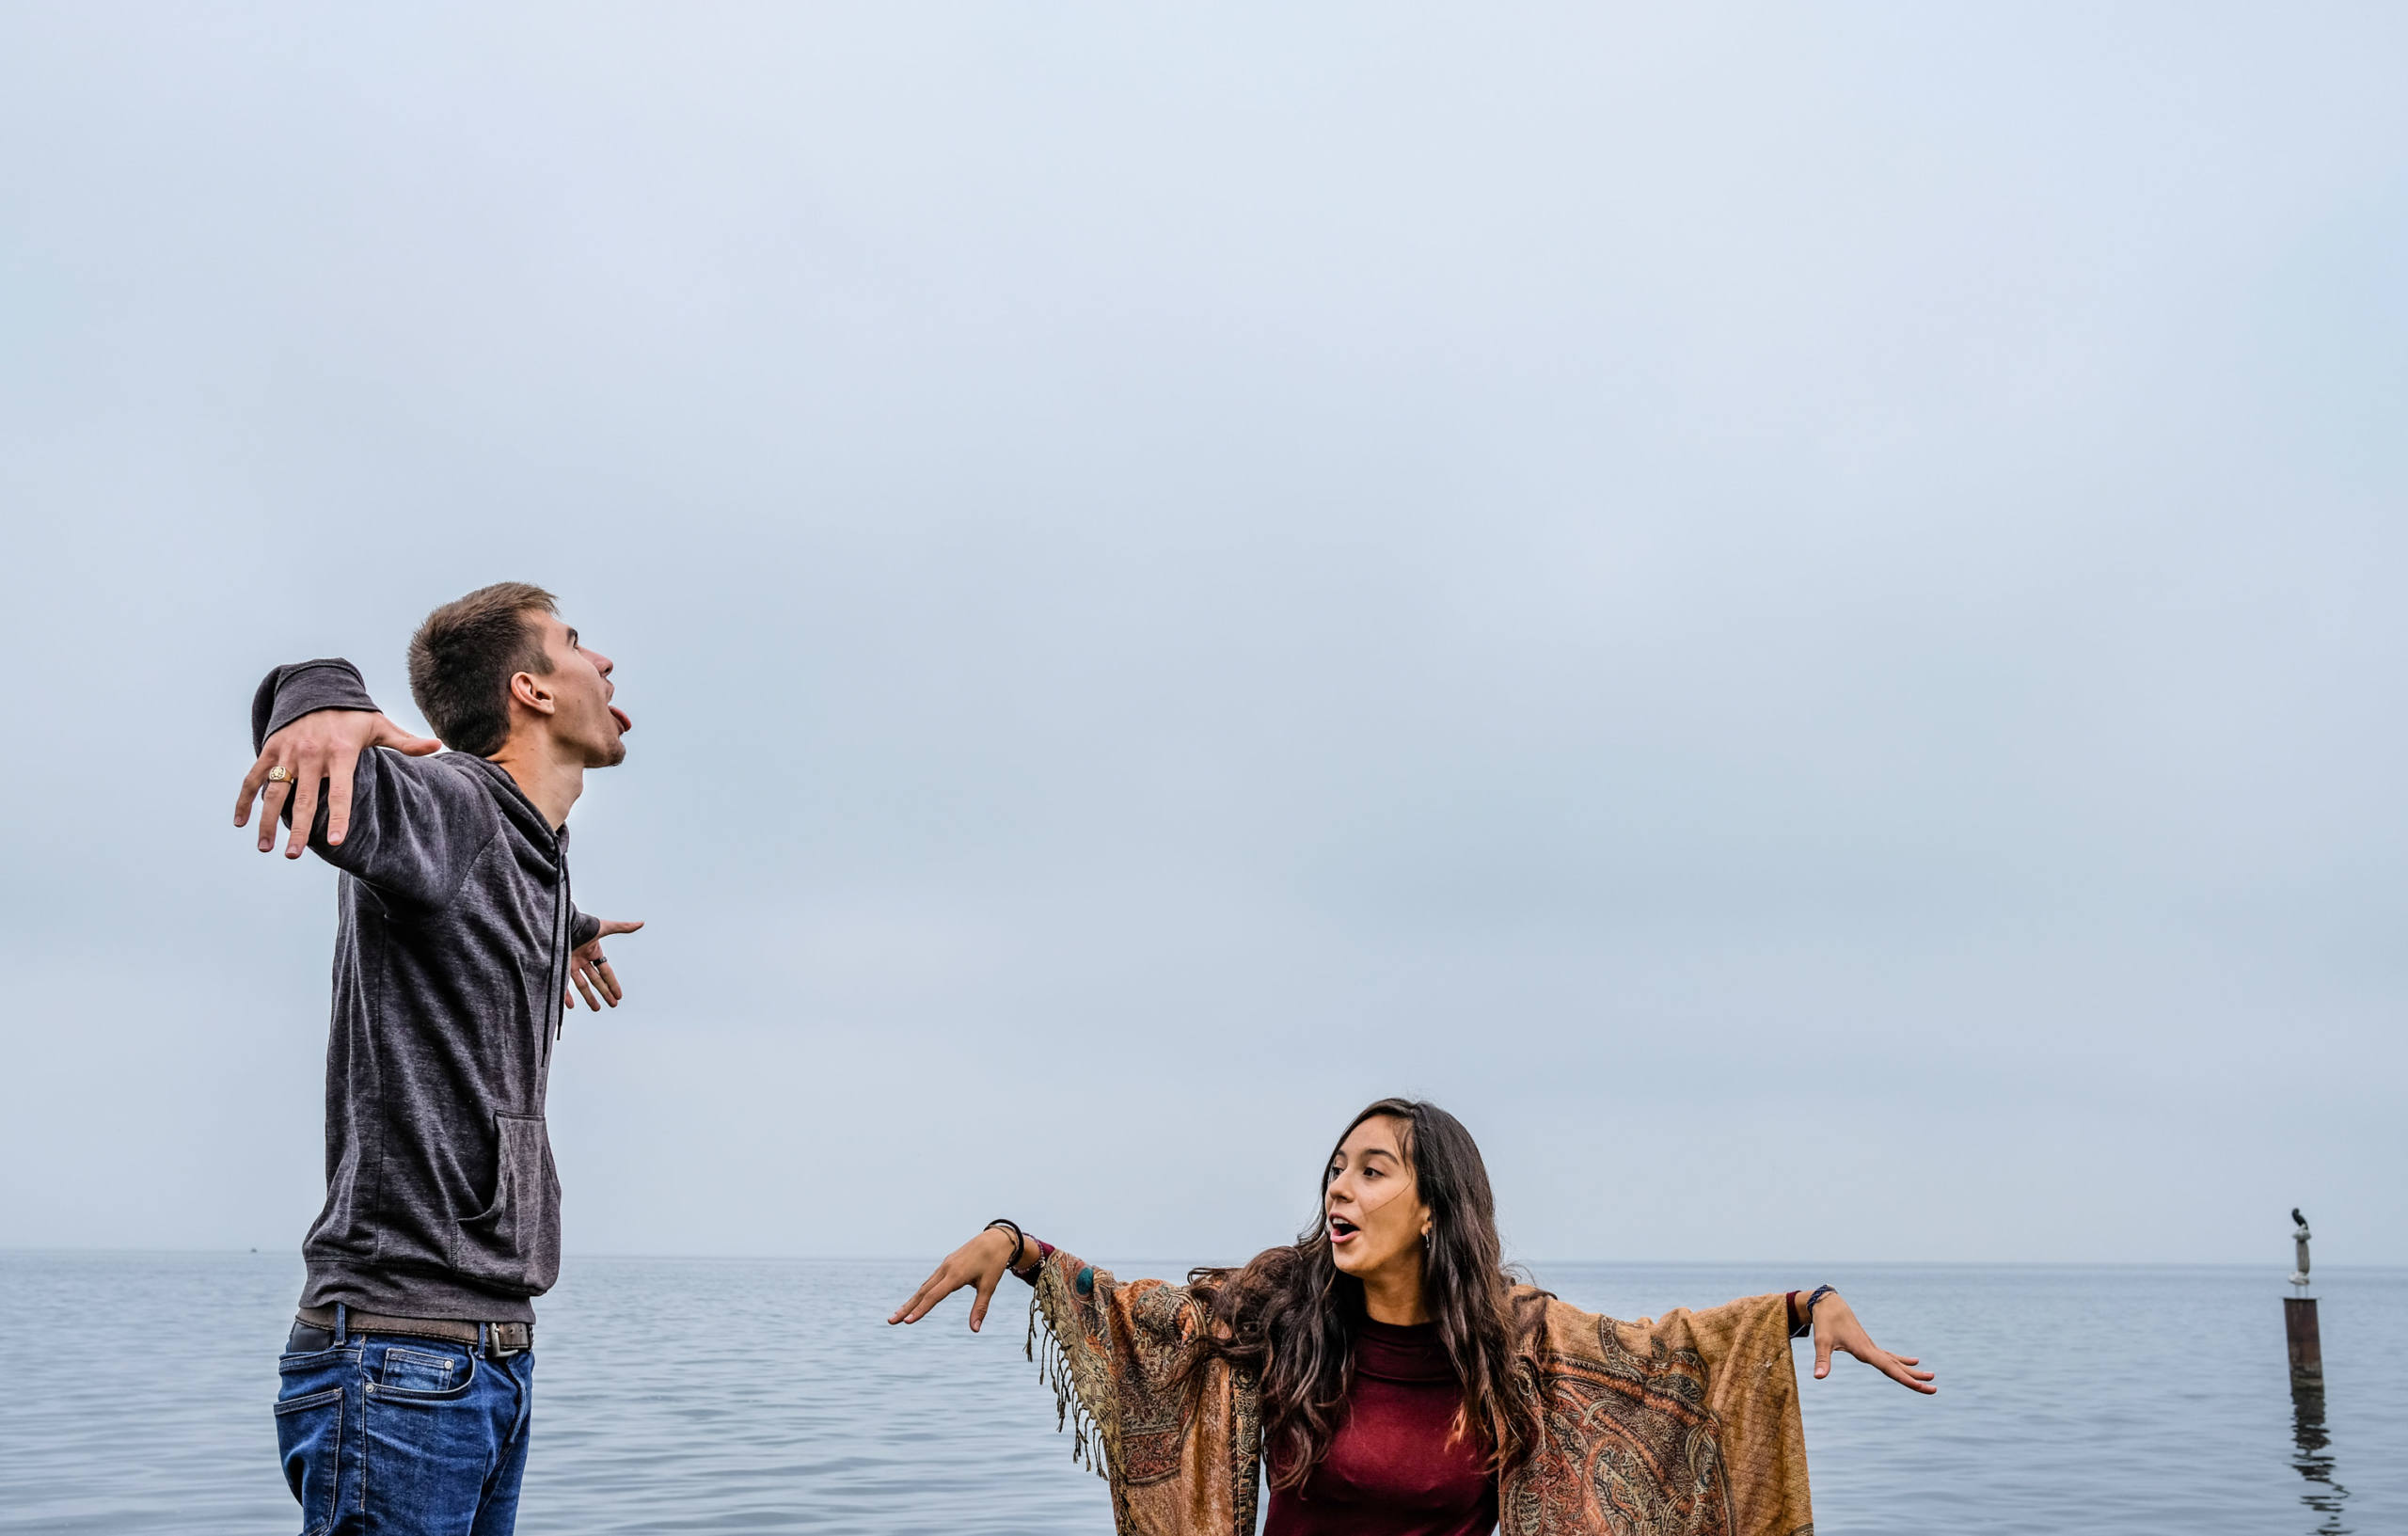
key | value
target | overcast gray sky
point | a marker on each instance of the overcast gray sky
(1796, 612)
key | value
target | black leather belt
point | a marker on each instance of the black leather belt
(501, 1340)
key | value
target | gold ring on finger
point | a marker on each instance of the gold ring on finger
(278, 775)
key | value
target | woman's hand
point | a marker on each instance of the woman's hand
(980, 1262)
(1836, 1328)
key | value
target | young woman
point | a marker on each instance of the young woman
(1399, 1383)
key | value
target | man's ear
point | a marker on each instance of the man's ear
(529, 689)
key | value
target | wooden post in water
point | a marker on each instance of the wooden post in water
(2299, 1322)
(2307, 1350)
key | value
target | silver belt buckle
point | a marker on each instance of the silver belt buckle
(504, 1339)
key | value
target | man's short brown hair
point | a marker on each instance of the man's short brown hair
(464, 656)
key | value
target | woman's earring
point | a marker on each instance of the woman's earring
(1425, 1237)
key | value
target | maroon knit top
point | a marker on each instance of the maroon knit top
(1396, 1468)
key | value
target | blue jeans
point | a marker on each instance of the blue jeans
(384, 1435)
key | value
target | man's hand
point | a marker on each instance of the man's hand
(1836, 1328)
(321, 746)
(591, 973)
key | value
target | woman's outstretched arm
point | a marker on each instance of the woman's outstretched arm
(981, 1262)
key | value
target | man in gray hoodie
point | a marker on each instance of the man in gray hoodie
(456, 948)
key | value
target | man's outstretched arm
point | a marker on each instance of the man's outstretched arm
(312, 720)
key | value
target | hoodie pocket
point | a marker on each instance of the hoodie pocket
(514, 1244)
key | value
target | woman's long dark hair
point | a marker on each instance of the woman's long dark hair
(1289, 1318)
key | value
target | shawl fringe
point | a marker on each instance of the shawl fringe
(1043, 1347)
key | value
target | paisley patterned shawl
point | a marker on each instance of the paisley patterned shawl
(1684, 1425)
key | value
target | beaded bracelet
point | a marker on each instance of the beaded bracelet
(1806, 1314)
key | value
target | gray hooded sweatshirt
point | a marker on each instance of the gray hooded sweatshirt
(450, 958)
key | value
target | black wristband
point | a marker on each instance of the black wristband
(1019, 1240)
(1806, 1311)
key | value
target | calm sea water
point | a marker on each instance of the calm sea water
(714, 1395)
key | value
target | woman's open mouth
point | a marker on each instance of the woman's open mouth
(1341, 1229)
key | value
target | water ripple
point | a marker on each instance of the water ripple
(766, 1396)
